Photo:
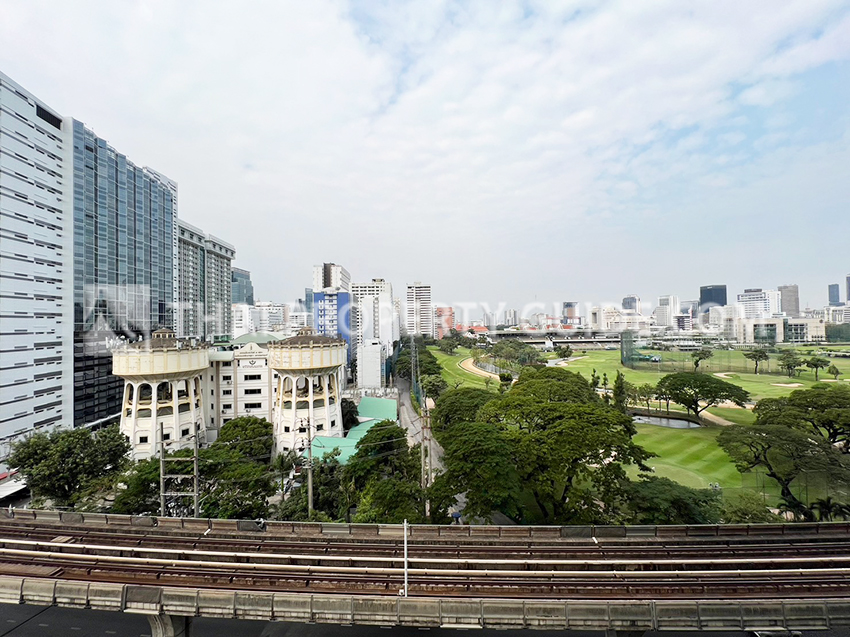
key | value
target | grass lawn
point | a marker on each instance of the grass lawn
(452, 371)
(688, 456)
(737, 416)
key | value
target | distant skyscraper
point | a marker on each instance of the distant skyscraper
(332, 315)
(242, 290)
(631, 302)
(711, 296)
(331, 275)
(668, 308)
(834, 295)
(789, 300)
(444, 320)
(847, 297)
(420, 312)
(569, 313)
(373, 313)
(511, 318)
(760, 303)
(204, 280)
(689, 308)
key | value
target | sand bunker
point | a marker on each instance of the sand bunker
(787, 384)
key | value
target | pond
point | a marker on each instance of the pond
(664, 421)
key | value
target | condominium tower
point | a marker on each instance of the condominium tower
(420, 312)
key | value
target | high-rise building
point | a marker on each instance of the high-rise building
(570, 315)
(242, 290)
(760, 303)
(631, 302)
(243, 319)
(834, 295)
(444, 319)
(270, 317)
(204, 279)
(420, 312)
(332, 315)
(36, 266)
(689, 308)
(512, 317)
(789, 300)
(847, 296)
(373, 313)
(125, 253)
(668, 308)
(711, 296)
(330, 275)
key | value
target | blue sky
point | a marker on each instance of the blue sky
(501, 151)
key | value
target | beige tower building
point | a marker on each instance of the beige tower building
(307, 391)
(163, 398)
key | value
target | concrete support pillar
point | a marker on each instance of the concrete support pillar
(170, 626)
(156, 434)
(175, 404)
(192, 395)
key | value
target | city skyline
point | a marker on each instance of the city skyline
(451, 122)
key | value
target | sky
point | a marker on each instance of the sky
(504, 152)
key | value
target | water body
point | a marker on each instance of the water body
(664, 421)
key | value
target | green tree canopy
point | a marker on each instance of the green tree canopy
(700, 356)
(790, 362)
(249, 436)
(434, 385)
(747, 507)
(758, 356)
(697, 392)
(655, 500)
(823, 410)
(61, 464)
(817, 363)
(458, 405)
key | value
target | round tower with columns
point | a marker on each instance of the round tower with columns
(163, 397)
(307, 388)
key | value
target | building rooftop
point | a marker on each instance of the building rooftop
(371, 411)
(259, 338)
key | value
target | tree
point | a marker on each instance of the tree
(458, 405)
(646, 392)
(697, 392)
(620, 393)
(817, 363)
(433, 385)
(382, 453)
(140, 492)
(448, 346)
(747, 507)
(785, 453)
(790, 362)
(757, 356)
(655, 500)
(250, 436)
(700, 356)
(233, 486)
(478, 462)
(61, 464)
(833, 371)
(563, 351)
(827, 509)
(332, 496)
(350, 415)
(822, 410)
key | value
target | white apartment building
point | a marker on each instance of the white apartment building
(270, 317)
(331, 275)
(665, 313)
(719, 314)
(204, 280)
(371, 364)
(420, 311)
(774, 330)
(373, 313)
(242, 319)
(36, 265)
(760, 303)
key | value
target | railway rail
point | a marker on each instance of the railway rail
(799, 566)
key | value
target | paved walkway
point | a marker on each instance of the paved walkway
(468, 365)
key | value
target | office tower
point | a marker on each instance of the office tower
(711, 296)
(330, 275)
(332, 315)
(36, 266)
(668, 308)
(570, 315)
(373, 314)
(789, 300)
(444, 321)
(689, 308)
(270, 317)
(631, 302)
(511, 318)
(125, 252)
(420, 312)
(834, 295)
(759, 303)
(204, 278)
(241, 290)
(847, 296)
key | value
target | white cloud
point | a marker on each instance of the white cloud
(310, 131)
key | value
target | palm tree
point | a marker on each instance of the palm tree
(827, 508)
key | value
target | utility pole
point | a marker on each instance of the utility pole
(309, 465)
(195, 493)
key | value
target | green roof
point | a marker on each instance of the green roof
(371, 411)
(260, 338)
(378, 408)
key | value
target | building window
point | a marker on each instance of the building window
(227, 406)
(143, 440)
(225, 378)
(253, 376)
(166, 436)
(184, 432)
(253, 405)
(253, 392)
(227, 392)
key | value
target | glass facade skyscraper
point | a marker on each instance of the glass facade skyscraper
(125, 246)
(242, 289)
(711, 296)
(834, 295)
